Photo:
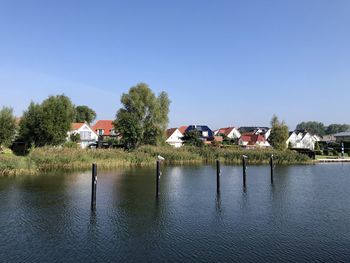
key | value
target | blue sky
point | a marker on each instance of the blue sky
(221, 62)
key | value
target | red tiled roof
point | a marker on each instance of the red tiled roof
(225, 131)
(170, 131)
(77, 125)
(252, 138)
(106, 125)
(182, 129)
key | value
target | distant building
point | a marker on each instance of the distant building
(205, 132)
(229, 132)
(174, 136)
(328, 138)
(252, 140)
(104, 128)
(342, 136)
(86, 134)
(183, 129)
(265, 131)
(302, 139)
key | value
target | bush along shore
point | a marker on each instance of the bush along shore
(49, 158)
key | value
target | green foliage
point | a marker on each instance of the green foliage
(279, 134)
(71, 157)
(192, 138)
(47, 123)
(31, 125)
(70, 144)
(84, 114)
(74, 137)
(336, 128)
(313, 127)
(7, 126)
(317, 146)
(143, 118)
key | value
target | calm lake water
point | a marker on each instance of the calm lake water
(303, 217)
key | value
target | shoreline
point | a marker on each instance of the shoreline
(46, 159)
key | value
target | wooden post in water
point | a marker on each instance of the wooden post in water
(157, 178)
(244, 170)
(218, 171)
(93, 186)
(271, 167)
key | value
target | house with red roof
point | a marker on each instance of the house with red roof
(104, 128)
(86, 134)
(229, 132)
(173, 137)
(183, 129)
(253, 140)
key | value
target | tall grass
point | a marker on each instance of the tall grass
(49, 158)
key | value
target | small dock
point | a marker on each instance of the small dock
(338, 160)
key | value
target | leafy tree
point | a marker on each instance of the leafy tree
(7, 126)
(84, 114)
(30, 126)
(336, 128)
(279, 134)
(313, 127)
(143, 118)
(192, 138)
(47, 123)
(74, 137)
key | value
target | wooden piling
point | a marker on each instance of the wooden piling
(93, 186)
(244, 171)
(157, 178)
(272, 168)
(218, 171)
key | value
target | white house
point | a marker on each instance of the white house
(87, 135)
(174, 137)
(265, 131)
(302, 140)
(229, 132)
(252, 140)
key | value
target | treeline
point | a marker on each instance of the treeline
(320, 129)
(45, 123)
(142, 120)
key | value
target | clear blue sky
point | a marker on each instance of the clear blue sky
(221, 62)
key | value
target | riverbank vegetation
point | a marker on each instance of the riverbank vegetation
(46, 159)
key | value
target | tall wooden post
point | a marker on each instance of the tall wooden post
(93, 186)
(157, 178)
(271, 167)
(218, 171)
(244, 170)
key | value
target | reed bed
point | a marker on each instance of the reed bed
(60, 158)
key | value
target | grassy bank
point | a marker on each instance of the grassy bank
(46, 159)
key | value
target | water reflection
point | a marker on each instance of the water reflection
(303, 216)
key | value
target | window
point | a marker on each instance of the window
(85, 135)
(204, 133)
(100, 132)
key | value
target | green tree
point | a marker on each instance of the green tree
(30, 126)
(336, 128)
(143, 118)
(47, 123)
(7, 126)
(74, 137)
(192, 138)
(313, 127)
(279, 134)
(84, 114)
